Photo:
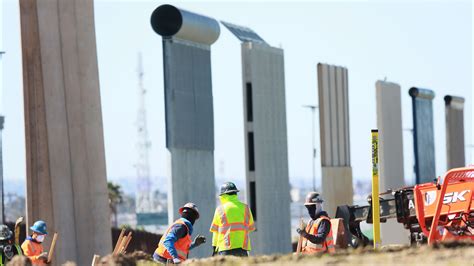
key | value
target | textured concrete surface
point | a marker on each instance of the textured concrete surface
(192, 180)
(455, 148)
(389, 124)
(337, 188)
(189, 113)
(334, 136)
(66, 174)
(268, 190)
(190, 133)
(423, 134)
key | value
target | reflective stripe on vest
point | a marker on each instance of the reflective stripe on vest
(181, 245)
(226, 228)
(18, 250)
(326, 246)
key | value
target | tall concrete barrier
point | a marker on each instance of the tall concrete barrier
(389, 124)
(187, 38)
(266, 142)
(334, 134)
(423, 134)
(455, 153)
(65, 159)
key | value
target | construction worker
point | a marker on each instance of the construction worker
(231, 224)
(8, 248)
(175, 243)
(317, 234)
(32, 246)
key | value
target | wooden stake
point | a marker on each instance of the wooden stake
(129, 238)
(18, 223)
(95, 260)
(119, 241)
(51, 250)
(300, 239)
(122, 244)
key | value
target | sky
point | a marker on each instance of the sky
(426, 44)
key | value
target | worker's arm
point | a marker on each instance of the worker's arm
(323, 230)
(176, 232)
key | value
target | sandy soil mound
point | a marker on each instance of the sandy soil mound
(454, 253)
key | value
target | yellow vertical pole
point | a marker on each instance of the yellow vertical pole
(375, 188)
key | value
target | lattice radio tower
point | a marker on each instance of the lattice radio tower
(143, 200)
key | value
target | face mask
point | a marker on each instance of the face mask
(311, 211)
(40, 238)
(319, 208)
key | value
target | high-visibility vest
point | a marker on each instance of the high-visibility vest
(181, 245)
(231, 225)
(18, 250)
(32, 250)
(326, 246)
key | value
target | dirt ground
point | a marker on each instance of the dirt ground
(454, 253)
(443, 254)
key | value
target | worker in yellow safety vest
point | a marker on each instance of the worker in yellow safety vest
(317, 234)
(176, 243)
(231, 224)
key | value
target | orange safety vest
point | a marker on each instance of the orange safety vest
(32, 250)
(328, 244)
(181, 246)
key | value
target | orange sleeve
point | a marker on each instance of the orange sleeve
(32, 253)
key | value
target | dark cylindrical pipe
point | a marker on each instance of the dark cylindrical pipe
(450, 99)
(421, 93)
(170, 21)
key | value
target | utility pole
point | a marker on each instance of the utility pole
(313, 114)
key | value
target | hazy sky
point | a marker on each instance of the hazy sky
(413, 43)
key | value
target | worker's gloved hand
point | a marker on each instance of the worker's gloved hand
(302, 226)
(43, 256)
(176, 261)
(199, 240)
(301, 232)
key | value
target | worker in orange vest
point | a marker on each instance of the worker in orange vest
(317, 234)
(32, 247)
(176, 243)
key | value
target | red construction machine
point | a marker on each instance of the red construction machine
(443, 209)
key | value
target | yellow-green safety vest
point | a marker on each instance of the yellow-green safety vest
(232, 224)
(18, 250)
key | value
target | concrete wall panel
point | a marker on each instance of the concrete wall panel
(389, 123)
(263, 70)
(66, 176)
(188, 92)
(192, 180)
(334, 132)
(455, 131)
(423, 134)
(189, 113)
(337, 188)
